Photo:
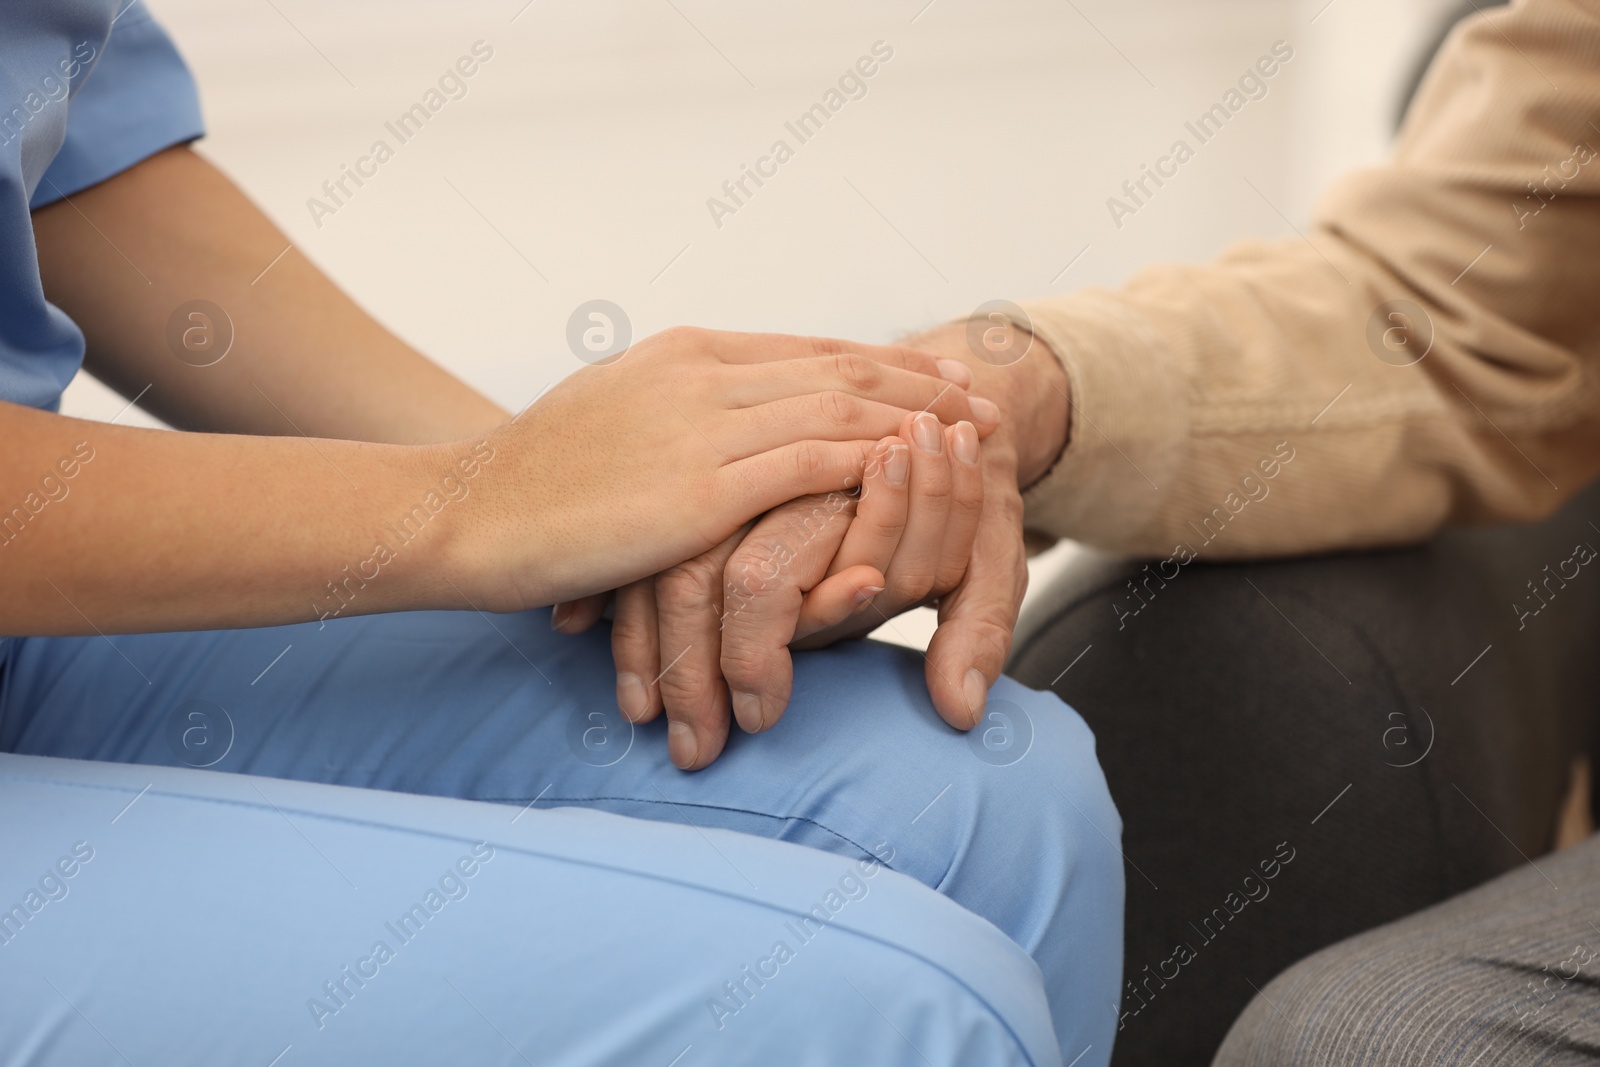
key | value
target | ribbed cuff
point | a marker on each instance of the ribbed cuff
(1130, 421)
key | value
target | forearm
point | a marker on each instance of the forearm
(110, 529)
(125, 255)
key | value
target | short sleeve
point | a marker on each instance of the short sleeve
(138, 99)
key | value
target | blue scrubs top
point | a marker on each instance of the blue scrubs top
(88, 88)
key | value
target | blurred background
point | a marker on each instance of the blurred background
(579, 161)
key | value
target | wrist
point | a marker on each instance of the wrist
(1044, 413)
(448, 526)
(1032, 394)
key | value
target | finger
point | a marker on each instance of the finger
(576, 616)
(825, 416)
(966, 506)
(737, 348)
(911, 574)
(976, 620)
(636, 651)
(784, 555)
(880, 517)
(868, 547)
(766, 480)
(839, 599)
(688, 612)
(986, 413)
(862, 377)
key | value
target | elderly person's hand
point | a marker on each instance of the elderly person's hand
(939, 521)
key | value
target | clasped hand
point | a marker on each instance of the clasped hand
(937, 521)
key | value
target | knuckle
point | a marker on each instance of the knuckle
(949, 576)
(809, 461)
(838, 409)
(911, 585)
(966, 505)
(744, 661)
(754, 570)
(936, 491)
(994, 639)
(687, 691)
(827, 346)
(1005, 504)
(680, 336)
(857, 371)
(631, 633)
(691, 583)
(884, 526)
(917, 360)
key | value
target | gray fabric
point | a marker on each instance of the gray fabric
(1506, 974)
(1242, 700)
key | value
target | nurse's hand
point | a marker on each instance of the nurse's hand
(630, 468)
(814, 571)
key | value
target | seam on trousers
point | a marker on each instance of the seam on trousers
(706, 807)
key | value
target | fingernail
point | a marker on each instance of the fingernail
(984, 410)
(747, 709)
(964, 442)
(953, 370)
(682, 745)
(865, 595)
(632, 697)
(560, 615)
(976, 689)
(926, 433)
(897, 466)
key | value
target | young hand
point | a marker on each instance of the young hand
(627, 469)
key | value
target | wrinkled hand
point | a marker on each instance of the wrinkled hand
(828, 588)
(714, 632)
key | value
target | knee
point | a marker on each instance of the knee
(1043, 755)
(954, 809)
(1340, 1005)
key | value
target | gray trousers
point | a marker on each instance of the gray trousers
(1506, 974)
(1305, 750)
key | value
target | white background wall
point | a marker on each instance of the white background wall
(594, 136)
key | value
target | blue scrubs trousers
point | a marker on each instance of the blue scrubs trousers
(435, 840)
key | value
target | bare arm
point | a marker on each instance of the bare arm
(116, 529)
(121, 257)
(113, 529)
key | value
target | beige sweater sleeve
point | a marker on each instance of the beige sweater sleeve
(1259, 404)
